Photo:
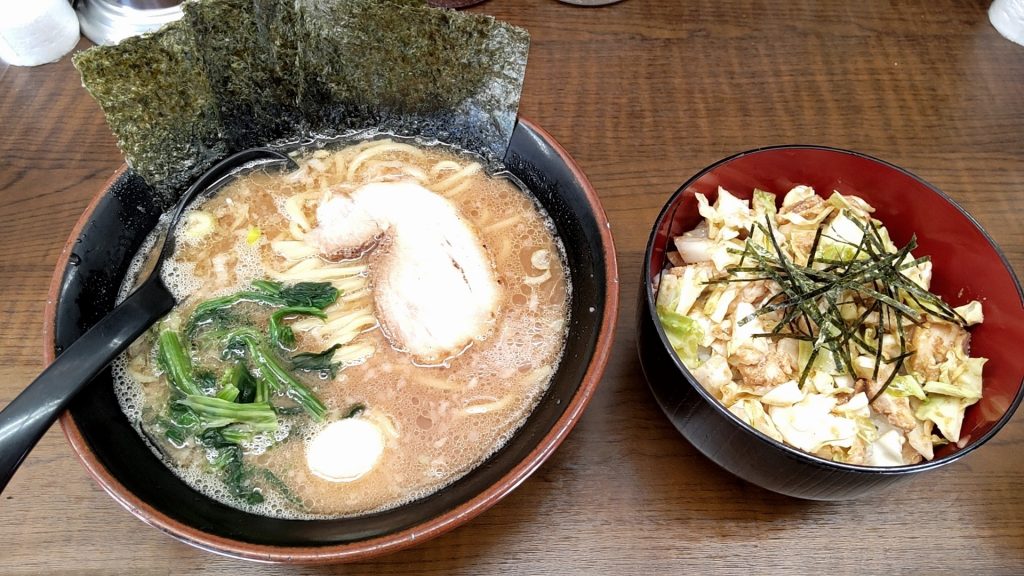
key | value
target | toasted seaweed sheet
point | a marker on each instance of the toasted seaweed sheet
(233, 74)
(249, 48)
(157, 99)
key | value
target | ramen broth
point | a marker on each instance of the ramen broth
(412, 421)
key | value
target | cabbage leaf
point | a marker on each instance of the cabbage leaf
(684, 334)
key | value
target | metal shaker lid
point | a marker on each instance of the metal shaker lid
(110, 21)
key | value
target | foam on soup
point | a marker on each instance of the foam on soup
(427, 413)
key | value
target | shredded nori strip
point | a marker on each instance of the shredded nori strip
(809, 296)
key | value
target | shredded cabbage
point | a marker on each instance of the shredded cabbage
(678, 293)
(727, 217)
(964, 382)
(887, 450)
(971, 312)
(764, 203)
(856, 206)
(797, 195)
(752, 412)
(741, 315)
(906, 385)
(840, 240)
(947, 412)
(785, 394)
(684, 334)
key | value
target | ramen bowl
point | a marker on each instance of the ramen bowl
(967, 266)
(85, 286)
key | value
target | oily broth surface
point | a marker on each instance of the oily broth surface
(438, 421)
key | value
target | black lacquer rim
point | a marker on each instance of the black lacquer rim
(794, 453)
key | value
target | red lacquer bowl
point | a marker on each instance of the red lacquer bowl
(967, 266)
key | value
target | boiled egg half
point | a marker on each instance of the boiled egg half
(345, 450)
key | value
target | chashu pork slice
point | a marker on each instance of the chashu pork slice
(345, 230)
(435, 289)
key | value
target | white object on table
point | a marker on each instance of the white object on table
(110, 21)
(34, 32)
(1008, 18)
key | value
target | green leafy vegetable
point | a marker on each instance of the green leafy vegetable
(215, 312)
(316, 361)
(179, 425)
(206, 379)
(280, 333)
(217, 413)
(176, 363)
(273, 374)
(277, 484)
(228, 392)
(222, 413)
(684, 333)
(318, 295)
(238, 477)
(268, 286)
(238, 377)
(213, 320)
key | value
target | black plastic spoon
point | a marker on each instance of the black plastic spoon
(24, 421)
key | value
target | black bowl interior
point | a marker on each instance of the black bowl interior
(100, 259)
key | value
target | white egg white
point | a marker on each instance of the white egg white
(345, 450)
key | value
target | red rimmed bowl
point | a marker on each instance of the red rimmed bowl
(86, 283)
(967, 266)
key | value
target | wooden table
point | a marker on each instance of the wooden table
(643, 93)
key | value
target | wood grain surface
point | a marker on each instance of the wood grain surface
(643, 93)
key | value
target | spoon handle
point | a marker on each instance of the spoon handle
(24, 421)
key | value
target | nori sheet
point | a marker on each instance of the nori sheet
(157, 100)
(451, 76)
(233, 74)
(249, 48)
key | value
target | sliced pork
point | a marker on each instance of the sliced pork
(434, 285)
